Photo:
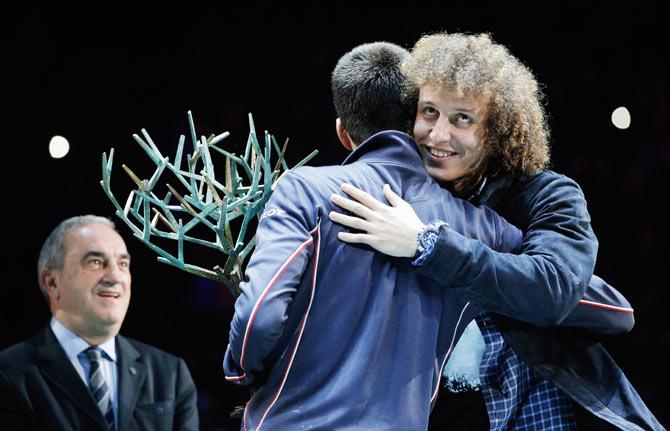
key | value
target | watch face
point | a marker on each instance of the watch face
(426, 237)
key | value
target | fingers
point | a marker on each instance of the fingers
(361, 196)
(351, 205)
(392, 197)
(355, 238)
(352, 222)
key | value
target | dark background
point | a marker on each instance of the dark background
(98, 76)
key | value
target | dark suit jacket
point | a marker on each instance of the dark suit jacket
(41, 390)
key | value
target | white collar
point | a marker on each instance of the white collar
(73, 344)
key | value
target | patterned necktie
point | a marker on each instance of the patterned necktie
(98, 387)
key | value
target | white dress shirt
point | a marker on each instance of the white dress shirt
(74, 347)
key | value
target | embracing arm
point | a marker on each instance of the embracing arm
(602, 309)
(549, 277)
(540, 285)
(283, 248)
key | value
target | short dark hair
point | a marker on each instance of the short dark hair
(367, 87)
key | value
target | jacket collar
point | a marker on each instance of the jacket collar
(389, 145)
(56, 367)
(474, 197)
(490, 191)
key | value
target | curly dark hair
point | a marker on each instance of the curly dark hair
(515, 135)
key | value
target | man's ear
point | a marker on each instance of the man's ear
(343, 136)
(49, 283)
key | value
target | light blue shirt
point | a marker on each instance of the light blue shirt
(74, 347)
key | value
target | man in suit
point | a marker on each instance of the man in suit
(78, 372)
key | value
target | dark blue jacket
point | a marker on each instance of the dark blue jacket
(540, 287)
(343, 337)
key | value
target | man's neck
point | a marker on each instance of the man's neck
(91, 337)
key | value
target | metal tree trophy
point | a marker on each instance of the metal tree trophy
(205, 201)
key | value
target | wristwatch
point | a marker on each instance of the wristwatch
(426, 240)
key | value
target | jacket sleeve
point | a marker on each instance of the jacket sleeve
(602, 310)
(548, 278)
(186, 409)
(284, 245)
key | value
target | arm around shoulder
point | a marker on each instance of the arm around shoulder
(548, 277)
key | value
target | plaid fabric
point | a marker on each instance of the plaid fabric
(516, 397)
